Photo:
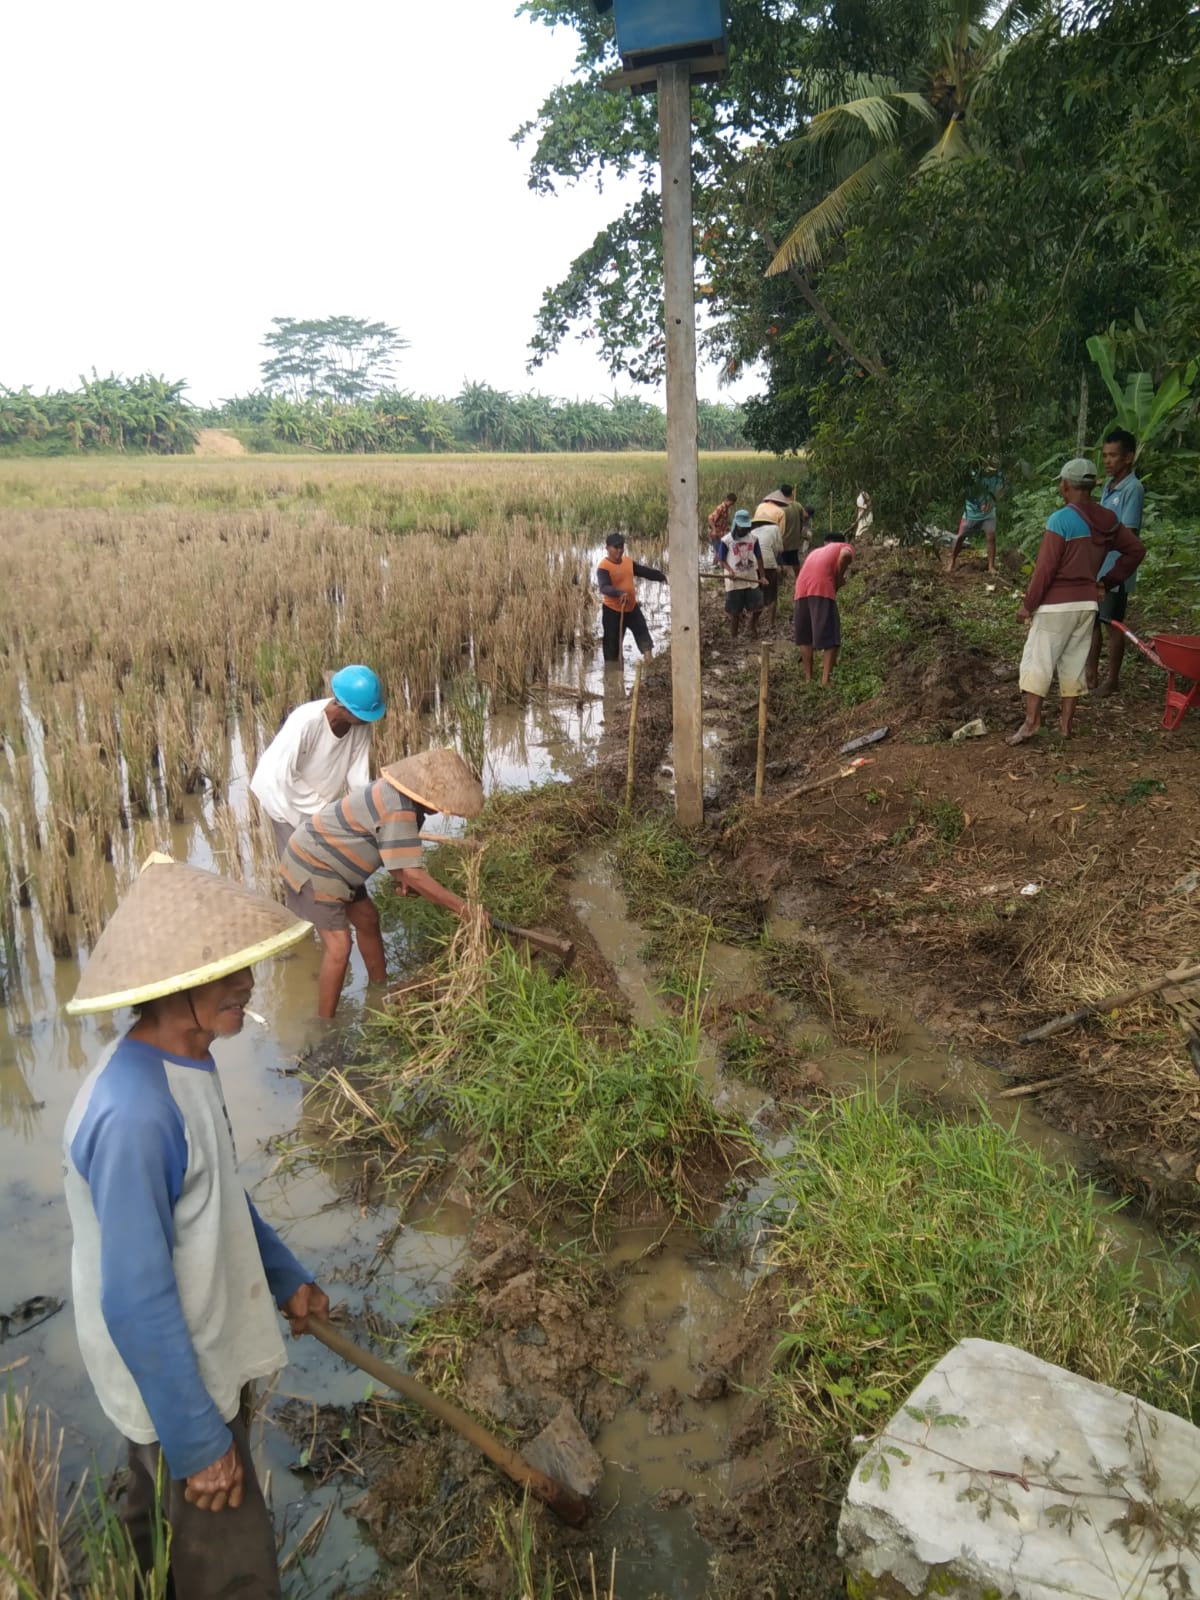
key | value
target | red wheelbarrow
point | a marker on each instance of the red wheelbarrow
(1175, 653)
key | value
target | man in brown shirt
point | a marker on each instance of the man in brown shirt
(1061, 601)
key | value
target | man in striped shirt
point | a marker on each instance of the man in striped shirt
(333, 853)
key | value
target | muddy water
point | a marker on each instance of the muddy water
(44, 1055)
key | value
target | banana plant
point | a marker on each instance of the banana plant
(1142, 409)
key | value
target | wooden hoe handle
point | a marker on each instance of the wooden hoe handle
(571, 1507)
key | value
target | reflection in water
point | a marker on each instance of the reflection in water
(20, 1112)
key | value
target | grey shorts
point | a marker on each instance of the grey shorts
(328, 916)
(1114, 605)
(739, 600)
(815, 622)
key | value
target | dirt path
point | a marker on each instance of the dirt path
(989, 888)
(218, 442)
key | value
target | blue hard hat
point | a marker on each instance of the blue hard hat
(360, 691)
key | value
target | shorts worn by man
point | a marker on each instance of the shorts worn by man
(331, 855)
(175, 1276)
(619, 609)
(740, 558)
(1060, 602)
(816, 624)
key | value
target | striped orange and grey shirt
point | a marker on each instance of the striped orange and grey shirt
(339, 847)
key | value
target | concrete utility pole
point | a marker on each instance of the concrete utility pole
(683, 489)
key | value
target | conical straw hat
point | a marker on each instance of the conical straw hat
(439, 780)
(179, 926)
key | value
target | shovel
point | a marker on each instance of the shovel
(564, 1502)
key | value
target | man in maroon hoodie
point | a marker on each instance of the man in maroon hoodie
(1061, 601)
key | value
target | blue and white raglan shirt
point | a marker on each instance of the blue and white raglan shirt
(174, 1274)
(1127, 499)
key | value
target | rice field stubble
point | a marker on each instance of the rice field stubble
(156, 613)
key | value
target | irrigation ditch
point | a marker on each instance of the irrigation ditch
(727, 1187)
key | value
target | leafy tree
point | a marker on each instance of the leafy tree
(344, 359)
(938, 321)
(145, 413)
(890, 126)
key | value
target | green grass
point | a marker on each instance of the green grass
(526, 838)
(1139, 791)
(551, 1104)
(674, 889)
(899, 1235)
(941, 820)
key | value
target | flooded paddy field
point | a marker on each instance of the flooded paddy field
(162, 619)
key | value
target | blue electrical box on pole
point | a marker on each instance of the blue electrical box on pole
(650, 31)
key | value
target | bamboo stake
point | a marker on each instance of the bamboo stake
(813, 783)
(1112, 1002)
(761, 767)
(633, 711)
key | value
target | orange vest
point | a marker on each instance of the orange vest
(620, 575)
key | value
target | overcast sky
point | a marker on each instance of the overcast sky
(183, 174)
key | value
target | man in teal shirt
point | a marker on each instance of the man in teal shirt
(1122, 493)
(979, 515)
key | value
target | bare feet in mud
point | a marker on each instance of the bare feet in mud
(1023, 734)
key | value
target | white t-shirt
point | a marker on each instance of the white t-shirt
(306, 766)
(770, 539)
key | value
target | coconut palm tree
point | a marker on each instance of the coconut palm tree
(887, 128)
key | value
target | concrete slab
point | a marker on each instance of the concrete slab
(1006, 1478)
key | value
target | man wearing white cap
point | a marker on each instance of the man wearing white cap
(331, 855)
(175, 1276)
(1062, 599)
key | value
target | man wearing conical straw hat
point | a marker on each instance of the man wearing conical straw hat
(175, 1276)
(331, 855)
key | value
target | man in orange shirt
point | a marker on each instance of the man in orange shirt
(620, 611)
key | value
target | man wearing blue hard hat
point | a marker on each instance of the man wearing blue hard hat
(322, 751)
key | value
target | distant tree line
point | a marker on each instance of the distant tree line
(479, 417)
(143, 414)
(149, 415)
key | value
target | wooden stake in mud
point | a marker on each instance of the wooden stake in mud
(760, 769)
(571, 1507)
(633, 710)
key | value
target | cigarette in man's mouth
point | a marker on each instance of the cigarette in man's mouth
(254, 1017)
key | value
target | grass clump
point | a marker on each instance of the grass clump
(901, 1235)
(800, 971)
(46, 1553)
(678, 892)
(941, 821)
(530, 1082)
